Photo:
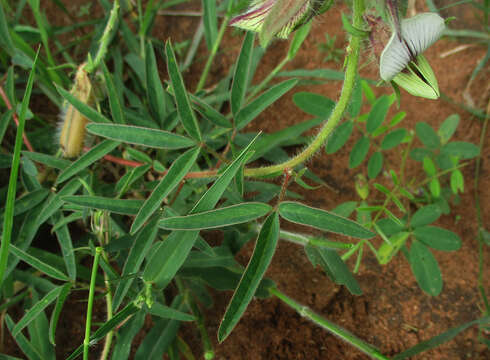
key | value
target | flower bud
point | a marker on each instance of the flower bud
(72, 133)
(278, 17)
(401, 60)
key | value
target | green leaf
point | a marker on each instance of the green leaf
(141, 245)
(126, 334)
(351, 29)
(211, 113)
(339, 137)
(393, 138)
(241, 75)
(375, 164)
(226, 216)
(35, 310)
(448, 127)
(87, 111)
(87, 159)
(5, 39)
(210, 20)
(176, 247)
(435, 188)
(49, 160)
(425, 215)
(187, 116)
(429, 166)
(141, 136)
(438, 238)
(427, 135)
(154, 87)
(119, 206)
(298, 38)
(438, 339)
(167, 312)
(259, 262)
(160, 337)
(28, 201)
(462, 149)
(66, 245)
(425, 269)
(174, 176)
(314, 104)
(323, 220)
(54, 201)
(27, 348)
(112, 94)
(378, 113)
(359, 152)
(55, 315)
(250, 111)
(8, 220)
(38, 264)
(335, 268)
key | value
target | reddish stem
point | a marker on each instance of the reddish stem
(16, 119)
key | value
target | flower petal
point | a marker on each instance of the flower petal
(253, 19)
(422, 30)
(418, 33)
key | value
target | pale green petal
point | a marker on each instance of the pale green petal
(422, 30)
(416, 86)
(418, 33)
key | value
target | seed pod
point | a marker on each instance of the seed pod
(72, 133)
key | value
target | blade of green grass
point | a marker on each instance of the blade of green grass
(14, 172)
(55, 315)
(155, 91)
(210, 19)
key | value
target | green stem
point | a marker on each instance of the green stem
(215, 48)
(329, 326)
(333, 121)
(268, 78)
(104, 40)
(88, 321)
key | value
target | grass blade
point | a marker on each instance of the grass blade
(226, 216)
(258, 264)
(87, 159)
(323, 220)
(141, 136)
(249, 112)
(176, 173)
(14, 173)
(38, 264)
(184, 108)
(35, 310)
(119, 206)
(242, 72)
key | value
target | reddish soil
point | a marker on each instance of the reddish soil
(393, 313)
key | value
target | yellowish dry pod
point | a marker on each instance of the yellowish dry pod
(72, 135)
